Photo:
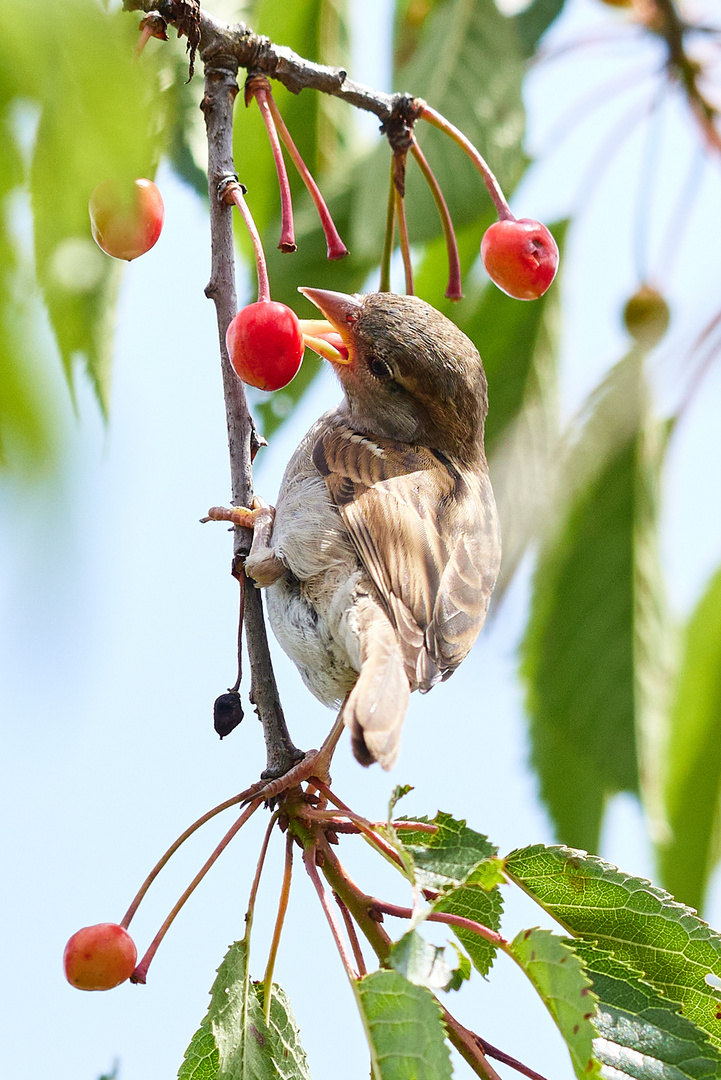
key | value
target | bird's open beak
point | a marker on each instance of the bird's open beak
(330, 339)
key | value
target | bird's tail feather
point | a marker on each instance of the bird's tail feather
(376, 707)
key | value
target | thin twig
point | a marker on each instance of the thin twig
(125, 921)
(405, 243)
(458, 921)
(352, 935)
(234, 192)
(336, 249)
(309, 859)
(366, 829)
(468, 1046)
(242, 585)
(141, 971)
(258, 873)
(257, 87)
(506, 1059)
(454, 290)
(279, 920)
(494, 188)
(388, 238)
(647, 174)
(362, 909)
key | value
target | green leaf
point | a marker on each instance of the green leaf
(640, 925)
(399, 792)
(558, 975)
(201, 1059)
(187, 144)
(693, 758)
(462, 972)
(461, 865)
(445, 859)
(431, 274)
(641, 1033)
(27, 433)
(404, 1029)
(410, 18)
(593, 657)
(534, 21)
(77, 66)
(247, 1048)
(421, 963)
(479, 899)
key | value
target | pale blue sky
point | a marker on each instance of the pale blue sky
(117, 632)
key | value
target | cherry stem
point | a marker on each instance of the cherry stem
(469, 1045)
(280, 919)
(141, 971)
(125, 921)
(287, 234)
(702, 368)
(405, 245)
(336, 247)
(258, 873)
(234, 193)
(644, 191)
(678, 219)
(490, 1050)
(494, 188)
(241, 579)
(385, 282)
(365, 827)
(416, 826)
(443, 917)
(309, 855)
(145, 35)
(454, 291)
(364, 910)
(352, 935)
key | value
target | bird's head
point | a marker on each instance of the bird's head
(410, 374)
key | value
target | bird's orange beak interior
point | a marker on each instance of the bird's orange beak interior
(341, 311)
(324, 339)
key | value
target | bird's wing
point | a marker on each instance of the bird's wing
(426, 532)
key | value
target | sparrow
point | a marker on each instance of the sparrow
(381, 555)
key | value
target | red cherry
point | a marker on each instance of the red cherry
(126, 220)
(265, 344)
(521, 257)
(99, 957)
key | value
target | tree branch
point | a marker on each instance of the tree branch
(221, 88)
(257, 53)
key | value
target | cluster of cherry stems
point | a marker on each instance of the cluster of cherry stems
(266, 340)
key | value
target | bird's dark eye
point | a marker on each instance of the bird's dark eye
(379, 368)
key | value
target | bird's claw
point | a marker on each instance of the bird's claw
(315, 763)
(244, 516)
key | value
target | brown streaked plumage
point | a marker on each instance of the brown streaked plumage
(385, 546)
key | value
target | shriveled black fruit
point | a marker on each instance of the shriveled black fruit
(227, 713)
(646, 316)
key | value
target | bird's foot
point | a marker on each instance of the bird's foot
(314, 765)
(310, 765)
(248, 518)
